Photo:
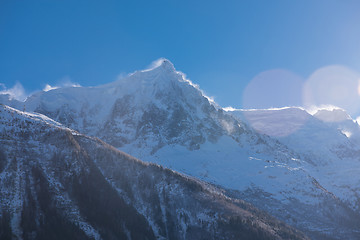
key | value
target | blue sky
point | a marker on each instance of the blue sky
(221, 45)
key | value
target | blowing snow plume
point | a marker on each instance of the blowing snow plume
(17, 92)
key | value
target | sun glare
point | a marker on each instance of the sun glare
(273, 88)
(333, 85)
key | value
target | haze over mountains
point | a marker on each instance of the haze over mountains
(299, 167)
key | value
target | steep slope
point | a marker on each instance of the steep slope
(150, 109)
(159, 116)
(58, 184)
(327, 141)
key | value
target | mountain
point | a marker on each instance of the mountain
(56, 183)
(328, 143)
(285, 162)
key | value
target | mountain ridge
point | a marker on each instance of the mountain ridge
(57, 183)
(175, 125)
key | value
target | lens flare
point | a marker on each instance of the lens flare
(333, 85)
(277, 122)
(274, 89)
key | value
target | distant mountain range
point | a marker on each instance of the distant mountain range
(301, 168)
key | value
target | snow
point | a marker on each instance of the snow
(13, 181)
(273, 122)
(17, 203)
(334, 115)
(34, 116)
(328, 139)
(286, 152)
(225, 164)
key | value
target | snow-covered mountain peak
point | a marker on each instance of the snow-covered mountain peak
(278, 122)
(161, 64)
(334, 115)
(161, 67)
(161, 76)
(159, 116)
(166, 65)
(150, 107)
